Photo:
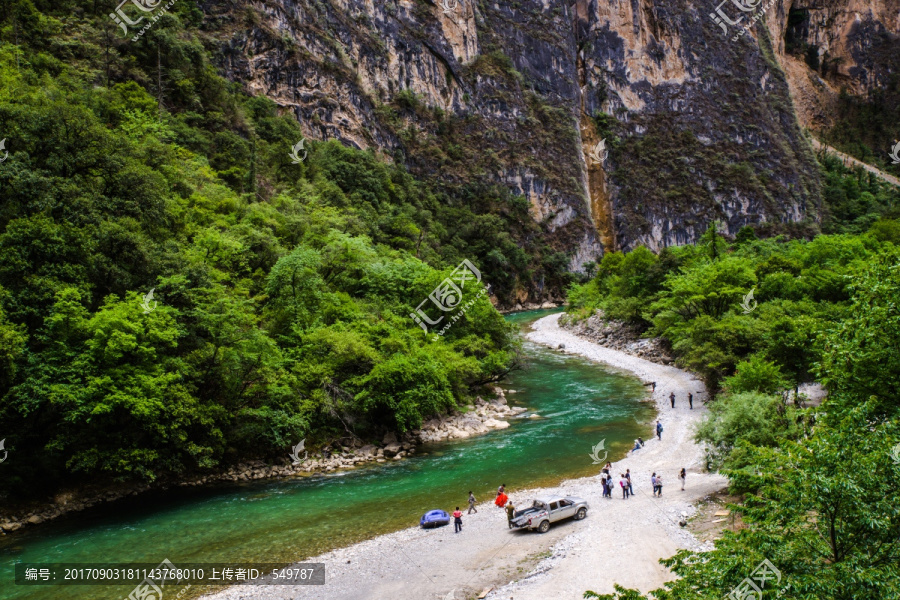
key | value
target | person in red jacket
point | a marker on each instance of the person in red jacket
(457, 520)
(501, 498)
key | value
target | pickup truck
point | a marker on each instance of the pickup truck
(544, 511)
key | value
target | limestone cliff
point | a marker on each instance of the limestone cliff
(698, 127)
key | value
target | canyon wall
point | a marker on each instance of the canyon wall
(696, 126)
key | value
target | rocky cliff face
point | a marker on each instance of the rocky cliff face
(826, 46)
(696, 127)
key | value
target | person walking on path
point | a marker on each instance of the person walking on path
(659, 486)
(472, 502)
(691, 400)
(672, 399)
(659, 429)
(653, 383)
(624, 485)
(682, 476)
(457, 520)
(628, 478)
(510, 513)
(653, 481)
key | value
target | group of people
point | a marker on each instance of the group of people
(607, 480)
(672, 398)
(502, 500)
(609, 483)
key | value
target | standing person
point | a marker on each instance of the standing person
(691, 400)
(502, 498)
(603, 483)
(457, 520)
(624, 485)
(672, 399)
(510, 513)
(654, 386)
(682, 476)
(659, 429)
(628, 478)
(659, 486)
(472, 502)
(607, 468)
(653, 481)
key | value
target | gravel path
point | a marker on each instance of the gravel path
(621, 541)
(851, 162)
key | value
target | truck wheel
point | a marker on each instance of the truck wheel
(544, 527)
(582, 513)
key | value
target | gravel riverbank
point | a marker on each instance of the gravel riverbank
(621, 541)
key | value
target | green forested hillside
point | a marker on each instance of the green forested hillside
(282, 291)
(818, 482)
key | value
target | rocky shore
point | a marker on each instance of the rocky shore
(617, 335)
(474, 419)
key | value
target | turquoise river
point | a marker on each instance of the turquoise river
(579, 403)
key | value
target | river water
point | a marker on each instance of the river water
(579, 403)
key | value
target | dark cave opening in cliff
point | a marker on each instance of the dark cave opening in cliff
(795, 35)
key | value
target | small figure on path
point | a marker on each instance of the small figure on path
(624, 485)
(472, 502)
(659, 429)
(682, 476)
(457, 520)
(628, 478)
(637, 446)
(659, 486)
(672, 399)
(691, 400)
(653, 389)
(641, 440)
(510, 513)
(653, 481)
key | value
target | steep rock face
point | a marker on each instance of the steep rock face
(701, 126)
(826, 46)
(698, 128)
